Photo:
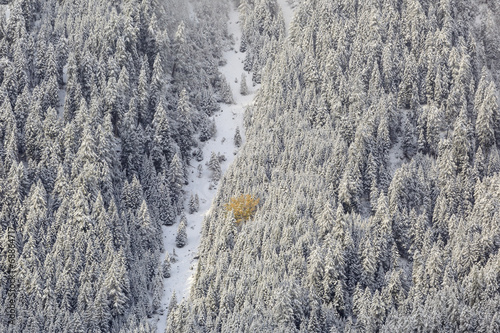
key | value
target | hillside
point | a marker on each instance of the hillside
(249, 166)
(105, 105)
(373, 147)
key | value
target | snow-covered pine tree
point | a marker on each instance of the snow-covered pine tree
(243, 85)
(200, 170)
(486, 117)
(176, 178)
(166, 265)
(181, 237)
(185, 129)
(166, 211)
(237, 138)
(194, 204)
(214, 166)
(226, 95)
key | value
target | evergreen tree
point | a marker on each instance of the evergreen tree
(157, 291)
(181, 51)
(214, 166)
(157, 86)
(487, 118)
(117, 285)
(166, 213)
(186, 130)
(166, 265)
(237, 138)
(33, 134)
(408, 145)
(176, 178)
(181, 238)
(243, 85)
(162, 149)
(226, 95)
(326, 221)
(194, 204)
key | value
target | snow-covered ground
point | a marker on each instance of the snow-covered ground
(5, 9)
(230, 117)
(287, 12)
(396, 157)
(62, 97)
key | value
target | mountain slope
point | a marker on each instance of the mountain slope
(202, 181)
(102, 104)
(373, 147)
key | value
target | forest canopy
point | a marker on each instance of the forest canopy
(373, 144)
(101, 104)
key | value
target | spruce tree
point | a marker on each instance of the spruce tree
(185, 129)
(214, 166)
(487, 118)
(243, 85)
(166, 212)
(166, 265)
(237, 138)
(226, 95)
(193, 204)
(176, 178)
(162, 142)
(117, 285)
(181, 238)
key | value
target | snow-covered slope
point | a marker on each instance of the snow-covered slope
(230, 117)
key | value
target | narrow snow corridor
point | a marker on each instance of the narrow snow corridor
(227, 120)
(287, 11)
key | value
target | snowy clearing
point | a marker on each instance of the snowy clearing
(230, 117)
(6, 10)
(287, 11)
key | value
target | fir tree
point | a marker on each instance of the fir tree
(166, 265)
(176, 178)
(226, 95)
(166, 212)
(243, 85)
(117, 285)
(237, 138)
(214, 166)
(194, 204)
(181, 238)
(486, 118)
(186, 130)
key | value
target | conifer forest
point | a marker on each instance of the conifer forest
(184, 166)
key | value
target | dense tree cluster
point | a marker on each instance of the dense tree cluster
(263, 28)
(101, 104)
(373, 145)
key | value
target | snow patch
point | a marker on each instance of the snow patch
(60, 108)
(396, 157)
(191, 12)
(287, 11)
(6, 11)
(65, 73)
